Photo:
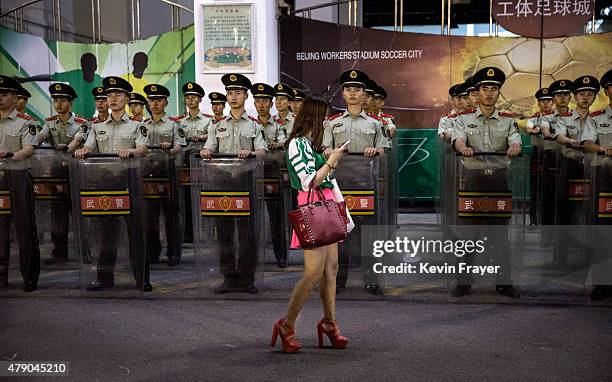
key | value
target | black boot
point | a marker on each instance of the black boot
(105, 280)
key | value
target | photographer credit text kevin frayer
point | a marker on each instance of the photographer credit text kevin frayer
(410, 248)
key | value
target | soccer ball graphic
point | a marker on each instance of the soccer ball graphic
(562, 58)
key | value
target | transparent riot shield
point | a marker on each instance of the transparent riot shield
(108, 213)
(491, 192)
(227, 200)
(598, 227)
(19, 250)
(53, 216)
(276, 193)
(392, 184)
(361, 182)
(163, 206)
(185, 184)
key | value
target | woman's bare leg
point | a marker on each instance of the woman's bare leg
(327, 288)
(314, 265)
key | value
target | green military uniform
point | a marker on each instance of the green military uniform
(110, 136)
(229, 135)
(363, 130)
(486, 134)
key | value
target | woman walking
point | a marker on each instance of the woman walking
(308, 167)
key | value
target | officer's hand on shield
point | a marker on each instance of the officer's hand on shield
(467, 151)
(206, 153)
(514, 151)
(573, 143)
(242, 154)
(607, 151)
(369, 151)
(3, 153)
(80, 153)
(62, 147)
(165, 145)
(124, 153)
(202, 138)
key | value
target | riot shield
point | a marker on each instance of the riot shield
(491, 193)
(53, 215)
(391, 183)
(227, 200)
(108, 213)
(18, 236)
(361, 182)
(162, 202)
(185, 188)
(598, 228)
(276, 193)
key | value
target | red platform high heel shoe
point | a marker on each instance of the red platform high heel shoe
(289, 344)
(330, 328)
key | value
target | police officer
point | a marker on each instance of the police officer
(217, 104)
(369, 96)
(296, 102)
(378, 102)
(17, 137)
(120, 135)
(597, 138)
(444, 125)
(274, 135)
(65, 130)
(365, 135)
(572, 124)
(236, 134)
(137, 105)
(23, 95)
(538, 126)
(488, 130)
(195, 124)
(364, 132)
(284, 95)
(473, 97)
(165, 133)
(101, 103)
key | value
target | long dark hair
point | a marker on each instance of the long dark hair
(309, 121)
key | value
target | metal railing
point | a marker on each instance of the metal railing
(96, 19)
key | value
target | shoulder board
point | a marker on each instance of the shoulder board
(255, 120)
(447, 115)
(468, 111)
(505, 114)
(92, 119)
(332, 117)
(386, 116)
(217, 120)
(80, 119)
(548, 113)
(279, 121)
(451, 115)
(596, 113)
(135, 119)
(374, 116)
(25, 116)
(146, 120)
(51, 118)
(568, 114)
(207, 115)
(177, 118)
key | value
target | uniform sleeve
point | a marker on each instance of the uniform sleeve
(259, 143)
(302, 161)
(328, 137)
(391, 124)
(83, 132)
(561, 127)
(44, 132)
(514, 137)
(28, 134)
(179, 136)
(91, 140)
(211, 142)
(381, 140)
(589, 133)
(441, 125)
(281, 137)
(458, 129)
(142, 135)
